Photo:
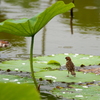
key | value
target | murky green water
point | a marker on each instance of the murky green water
(56, 36)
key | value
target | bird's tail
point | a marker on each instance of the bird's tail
(73, 73)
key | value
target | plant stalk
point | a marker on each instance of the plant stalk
(31, 62)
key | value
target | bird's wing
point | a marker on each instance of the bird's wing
(70, 66)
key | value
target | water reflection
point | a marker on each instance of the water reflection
(18, 45)
(87, 16)
(22, 3)
(71, 18)
(44, 35)
(43, 40)
(55, 37)
(2, 17)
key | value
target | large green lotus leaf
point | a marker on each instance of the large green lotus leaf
(12, 91)
(61, 76)
(79, 92)
(29, 27)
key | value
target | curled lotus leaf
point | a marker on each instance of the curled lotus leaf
(29, 27)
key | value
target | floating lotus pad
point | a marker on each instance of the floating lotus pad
(15, 79)
(23, 65)
(61, 76)
(78, 59)
(41, 63)
(79, 92)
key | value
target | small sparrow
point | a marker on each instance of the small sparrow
(70, 66)
(4, 43)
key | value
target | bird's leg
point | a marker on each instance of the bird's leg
(68, 74)
(74, 75)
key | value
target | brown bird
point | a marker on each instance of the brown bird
(70, 66)
(4, 43)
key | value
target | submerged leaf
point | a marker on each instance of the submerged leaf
(29, 27)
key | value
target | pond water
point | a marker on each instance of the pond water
(56, 36)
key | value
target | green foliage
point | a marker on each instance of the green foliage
(23, 65)
(78, 59)
(53, 62)
(29, 27)
(41, 63)
(79, 92)
(62, 76)
(12, 91)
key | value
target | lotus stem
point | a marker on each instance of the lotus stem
(31, 62)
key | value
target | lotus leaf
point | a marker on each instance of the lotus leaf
(41, 63)
(29, 27)
(61, 76)
(14, 79)
(53, 62)
(79, 92)
(12, 91)
(78, 59)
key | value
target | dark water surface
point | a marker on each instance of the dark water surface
(55, 37)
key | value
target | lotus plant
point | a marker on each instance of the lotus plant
(29, 27)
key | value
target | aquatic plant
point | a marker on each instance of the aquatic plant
(12, 91)
(29, 27)
(47, 71)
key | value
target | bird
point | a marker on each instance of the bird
(4, 43)
(70, 66)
